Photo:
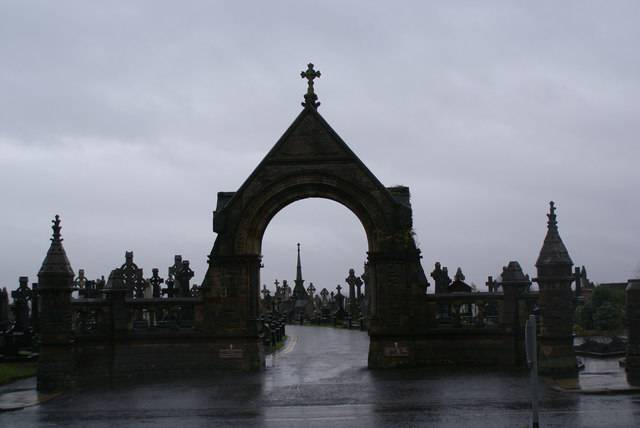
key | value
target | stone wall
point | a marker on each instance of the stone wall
(464, 347)
(144, 358)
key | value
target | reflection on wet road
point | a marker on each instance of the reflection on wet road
(320, 379)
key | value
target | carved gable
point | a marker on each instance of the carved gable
(309, 137)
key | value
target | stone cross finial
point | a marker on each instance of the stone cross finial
(310, 98)
(56, 229)
(552, 215)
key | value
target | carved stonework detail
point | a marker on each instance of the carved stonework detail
(311, 160)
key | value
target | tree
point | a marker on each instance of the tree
(601, 295)
(607, 317)
(603, 311)
(584, 316)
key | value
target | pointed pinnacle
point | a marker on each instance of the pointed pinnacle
(553, 222)
(56, 229)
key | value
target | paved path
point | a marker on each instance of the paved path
(320, 379)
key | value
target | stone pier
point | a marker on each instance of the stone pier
(556, 355)
(633, 325)
(55, 364)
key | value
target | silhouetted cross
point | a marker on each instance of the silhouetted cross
(310, 97)
(310, 75)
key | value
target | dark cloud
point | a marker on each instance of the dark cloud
(127, 117)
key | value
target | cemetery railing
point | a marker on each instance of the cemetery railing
(479, 310)
(102, 317)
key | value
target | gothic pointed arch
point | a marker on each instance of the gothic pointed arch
(310, 160)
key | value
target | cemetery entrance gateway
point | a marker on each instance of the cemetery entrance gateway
(311, 160)
(100, 337)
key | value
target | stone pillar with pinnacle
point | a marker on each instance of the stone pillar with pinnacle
(55, 279)
(633, 324)
(556, 300)
(514, 284)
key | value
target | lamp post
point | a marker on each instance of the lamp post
(532, 361)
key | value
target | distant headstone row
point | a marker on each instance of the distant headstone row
(177, 283)
(315, 307)
(18, 321)
(300, 304)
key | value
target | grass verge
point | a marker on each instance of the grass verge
(14, 371)
(279, 346)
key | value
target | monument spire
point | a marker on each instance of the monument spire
(310, 98)
(299, 291)
(299, 267)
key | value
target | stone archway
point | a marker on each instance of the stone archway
(311, 160)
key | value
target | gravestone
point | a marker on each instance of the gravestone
(266, 300)
(492, 285)
(132, 276)
(170, 289)
(183, 276)
(80, 283)
(173, 272)
(156, 283)
(458, 285)
(286, 290)
(22, 298)
(339, 302)
(311, 290)
(100, 283)
(441, 278)
(354, 296)
(4, 309)
(324, 295)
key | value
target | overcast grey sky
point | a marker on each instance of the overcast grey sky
(126, 118)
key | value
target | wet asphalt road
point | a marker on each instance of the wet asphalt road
(320, 379)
